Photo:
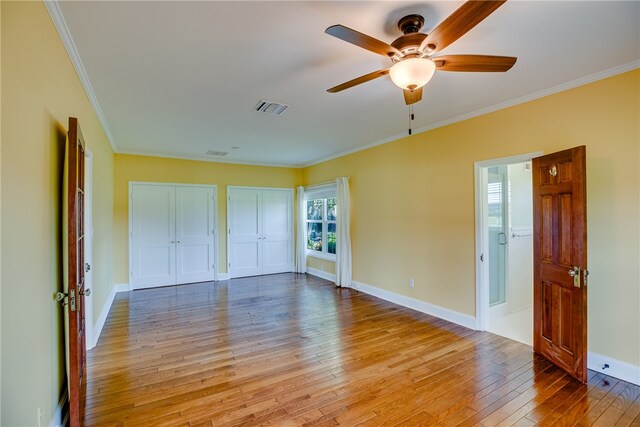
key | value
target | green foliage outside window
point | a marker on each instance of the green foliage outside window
(321, 217)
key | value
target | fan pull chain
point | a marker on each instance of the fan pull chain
(411, 118)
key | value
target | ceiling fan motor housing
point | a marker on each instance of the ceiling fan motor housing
(411, 39)
(411, 24)
(409, 43)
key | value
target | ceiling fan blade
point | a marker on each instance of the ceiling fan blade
(359, 80)
(412, 97)
(458, 23)
(478, 63)
(362, 40)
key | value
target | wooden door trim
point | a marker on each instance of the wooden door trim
(481, 243)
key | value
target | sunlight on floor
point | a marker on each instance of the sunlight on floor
(517, 326)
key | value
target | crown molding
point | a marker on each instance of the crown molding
(202, 158)
(65, 35)
(63, 30)
(511, 103)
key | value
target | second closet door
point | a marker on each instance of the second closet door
(276, 231)
(260, 234)
(245, 232)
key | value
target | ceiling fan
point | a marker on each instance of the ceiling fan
(413, 63)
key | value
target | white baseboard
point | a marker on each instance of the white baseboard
(57, 419)
(97, 329)
(321, 274)
(122, 287)
(618, 369)
(418, 305)
(223, 276)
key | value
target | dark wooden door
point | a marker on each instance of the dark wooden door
(76, 290)
(560, 260)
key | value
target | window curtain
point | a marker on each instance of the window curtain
(343, 241)
(301, 233)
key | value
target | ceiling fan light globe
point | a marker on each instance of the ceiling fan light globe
(412, 73)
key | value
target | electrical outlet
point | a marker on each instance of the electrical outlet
(40, 417)
(411, 283)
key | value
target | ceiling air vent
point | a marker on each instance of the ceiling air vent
(272, 108)
(217, 153)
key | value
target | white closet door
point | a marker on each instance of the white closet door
(277, 207)
(245, 232)
(152, 236)
(195, 252)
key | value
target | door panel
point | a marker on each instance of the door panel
(560, 244)
(75, 271)
(276, 213)
(195, 250)
(245, 224)
(153, 236)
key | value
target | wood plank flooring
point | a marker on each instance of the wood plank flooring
(292, 350)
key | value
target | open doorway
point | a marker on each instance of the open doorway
(504, 245)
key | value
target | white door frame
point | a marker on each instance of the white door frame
(88, 249)
(292, 239)
(215, 221)
(482, 238)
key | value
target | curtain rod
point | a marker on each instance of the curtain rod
(320, 184)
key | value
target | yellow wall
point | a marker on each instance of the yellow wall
(321, 264)
(40, 90)
(413, 202)
(159, 169)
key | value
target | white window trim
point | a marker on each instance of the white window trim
(320, 192)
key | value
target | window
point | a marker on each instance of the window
(321, 227)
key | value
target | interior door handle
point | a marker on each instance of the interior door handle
(575, 273)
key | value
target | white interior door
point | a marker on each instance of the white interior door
(195, 251)
(245, 232)
(153, 236)
(277, 207)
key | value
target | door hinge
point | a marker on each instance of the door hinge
(585, 274)
(131, 273)
(229, 231)
(229, 265)
(481, 257)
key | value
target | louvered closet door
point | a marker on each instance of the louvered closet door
(195, 252)
(152, 236)
(245, 232)
(276, 231)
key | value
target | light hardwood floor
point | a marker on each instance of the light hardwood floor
(290, 350)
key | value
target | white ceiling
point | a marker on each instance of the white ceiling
(180, 78)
